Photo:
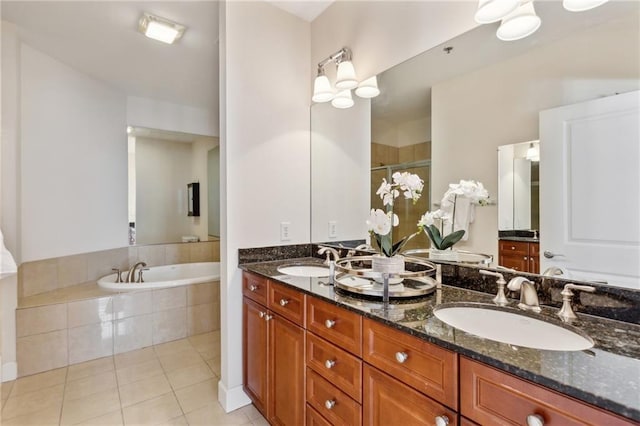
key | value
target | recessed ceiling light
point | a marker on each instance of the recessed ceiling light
(160, 29)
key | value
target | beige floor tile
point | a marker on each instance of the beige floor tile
(172, 347)
(144, 390)
(5, 389)
(113, 418)
(138, 356)
(153, 411)
(213, 414)
(46, 417)
(38, 381)
(90, 368)
(208, 344)
(88, 407)
(193, 374)
(197, 396)
(252, 412)
(139, 372)
(260, 422)
(44, 399)
(177, 360)
(89, 385)
(214, 365)
(178, 421)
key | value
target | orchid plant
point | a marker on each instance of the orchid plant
(381, 223)
(434, 223)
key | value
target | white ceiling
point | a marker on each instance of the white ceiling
(305, 9)
(100, 38)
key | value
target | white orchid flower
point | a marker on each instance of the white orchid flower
(427, 219)
(379, 222)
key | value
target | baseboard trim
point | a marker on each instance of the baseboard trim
(9, 371)
(232, 399)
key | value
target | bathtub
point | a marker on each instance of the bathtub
(166, 276)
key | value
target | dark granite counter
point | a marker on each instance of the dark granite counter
(607, 376)
(521, 239)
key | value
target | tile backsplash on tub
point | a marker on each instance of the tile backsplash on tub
(47, 275)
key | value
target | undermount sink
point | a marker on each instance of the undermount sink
(305, 270)
(512, 327)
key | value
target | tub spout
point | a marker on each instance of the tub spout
(131, 276)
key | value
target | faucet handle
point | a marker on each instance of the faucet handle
(494, 274)
(118, 276)
(501, 298)
(140, 280)
(566, 312)
(570, 286)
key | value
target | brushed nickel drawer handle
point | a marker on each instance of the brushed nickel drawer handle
(442, 420)
(253, 287)
(329, 403)
(401, 357)
(283, 302)
(261, 314)
(329, 363)
(268, 317)
(535, 420)
(329, 323)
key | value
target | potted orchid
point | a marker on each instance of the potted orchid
(381, 223)
(440, 225)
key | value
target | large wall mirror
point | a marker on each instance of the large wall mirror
(459, 102)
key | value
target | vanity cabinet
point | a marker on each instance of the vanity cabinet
(491, 397)
(522, 256)
(273, 350)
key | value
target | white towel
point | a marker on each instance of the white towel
(7, 264)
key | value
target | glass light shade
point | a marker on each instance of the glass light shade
(160, 29)
(322, 91)
(494, 10)
(519, 24)
(533, 153)
(346, 76)
(368, 88)
(343, 100)
(582, 5)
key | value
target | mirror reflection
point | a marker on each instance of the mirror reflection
(519, 186)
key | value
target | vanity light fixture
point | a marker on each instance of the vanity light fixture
(519, 18)
(160, 29)
(346, 79)
(533, 153)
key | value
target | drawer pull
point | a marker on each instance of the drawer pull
(401, 357)
(329, 363)
(535, 420)
(442, 420)
(268, 317)
(261, 314)
(513, 247)
(253, 287)
(525, 258)
(329, 323)
(329, 403)
(283, 302)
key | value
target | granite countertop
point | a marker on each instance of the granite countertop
(522, 239)
(606, 375)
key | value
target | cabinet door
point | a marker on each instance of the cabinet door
(518, 262)
(387, 401)
(286, 372)
(254, 353)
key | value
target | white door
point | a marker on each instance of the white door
(590, 189)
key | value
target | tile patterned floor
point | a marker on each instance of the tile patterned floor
(174, 383)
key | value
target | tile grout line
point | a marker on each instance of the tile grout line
(64, 388)
(115, 371)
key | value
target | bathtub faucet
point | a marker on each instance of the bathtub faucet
(131, 276)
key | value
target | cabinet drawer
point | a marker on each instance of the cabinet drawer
(255, 287)
(331, 403)
(287, 302)
(336, 365)
(386, 401)
(427, 367)
(514, 247)
(489, 396)
(314, 418)
(335, 324)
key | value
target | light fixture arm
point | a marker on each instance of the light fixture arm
(343, 54)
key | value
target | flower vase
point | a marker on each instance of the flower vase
(449, 254)
(387, 265)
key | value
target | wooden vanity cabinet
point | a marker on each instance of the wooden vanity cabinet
(491, 397)
(522, 256)
(273, 351)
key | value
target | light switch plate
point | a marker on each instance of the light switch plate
(284, 231)
(333, 229)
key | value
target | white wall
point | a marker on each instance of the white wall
(73, 160)
(213, 193)
(341, 153)
(265, 96)
(402, 134)
(156, 114)
(467, 128)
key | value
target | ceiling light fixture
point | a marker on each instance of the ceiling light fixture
(346, 79)
(519, 18)
(160, 29)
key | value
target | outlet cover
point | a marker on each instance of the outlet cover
(284, 231)
(333, 229)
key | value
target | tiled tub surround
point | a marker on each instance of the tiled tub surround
(606, 376)
(64, 318)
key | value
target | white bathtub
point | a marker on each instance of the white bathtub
(166, 276)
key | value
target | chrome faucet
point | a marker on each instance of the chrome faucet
(329, 251)
(365, 247)
(566, 312)
(131, 276)
(500, 299)
(528, 295)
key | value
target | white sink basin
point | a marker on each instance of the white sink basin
(511, 327)
(304, 270)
